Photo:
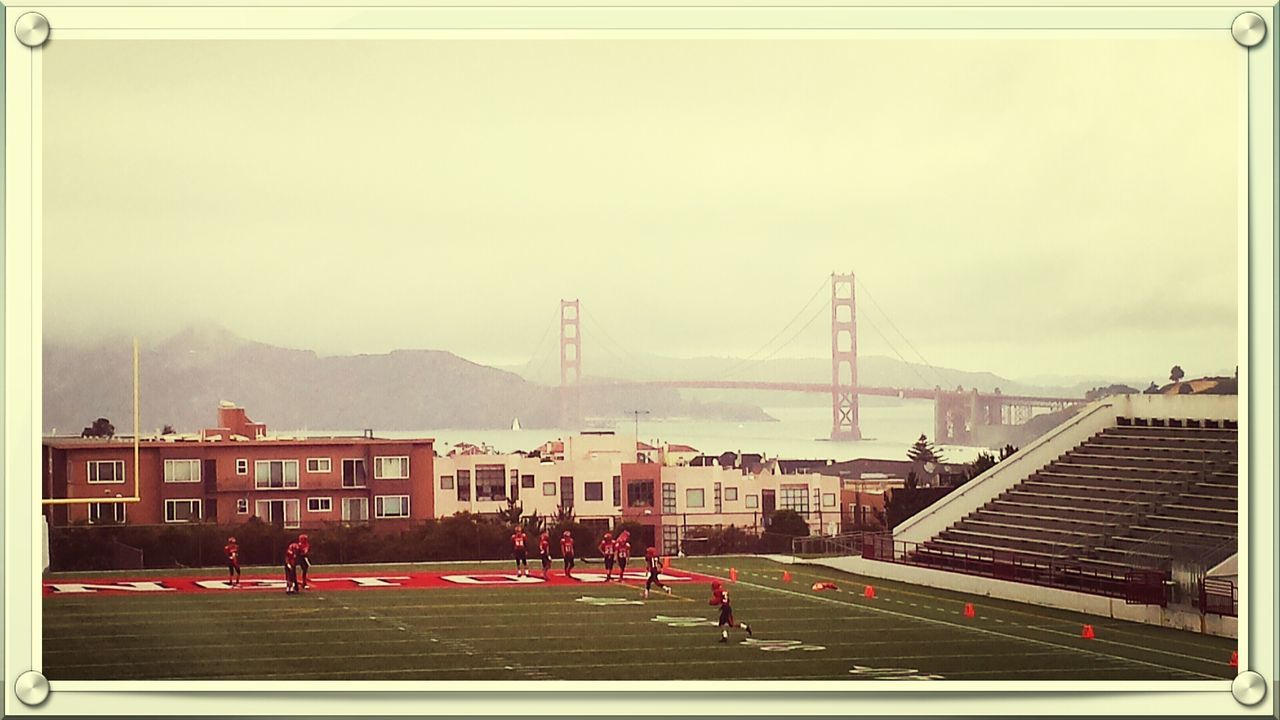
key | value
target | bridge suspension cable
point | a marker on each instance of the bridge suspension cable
(751, 360)
(867, 291)
(546, 333)
(627, 359)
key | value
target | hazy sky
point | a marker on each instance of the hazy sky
(1030, 207)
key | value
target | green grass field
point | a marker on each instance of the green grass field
(548, 632)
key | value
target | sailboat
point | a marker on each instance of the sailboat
(515, 424)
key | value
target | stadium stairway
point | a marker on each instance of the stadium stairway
(1140, 495)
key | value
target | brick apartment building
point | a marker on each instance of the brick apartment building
(234, 471)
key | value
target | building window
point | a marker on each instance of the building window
(730, 494)
(828, 500)
(106, 471)
(716, 498)
(794, 498)
(593, 491)
(242, 506)
(670, 540)
(617, 490)
(391, 468)
(446, 482)
(391, 506)
(640, 494)
(668, 498)
(182, 471)
(319, 465)
(355, 509)
(280, 512)
(178, 511)
(566, 490)
(753, 502)
(694, 497)
(526, 482)
(515, 485)
(548, 488)
(491, 481)
(464, 486)
(319, 504)
(242, 466)
(353, 473)
(275, 474)
(106, 513)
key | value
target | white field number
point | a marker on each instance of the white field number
(780, 645)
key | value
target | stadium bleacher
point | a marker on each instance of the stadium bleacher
(1141, 495)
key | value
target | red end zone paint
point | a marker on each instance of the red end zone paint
(354, 581)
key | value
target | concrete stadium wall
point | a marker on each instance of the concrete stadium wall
(1035, 595)
(1205, 407)
(1092, 419)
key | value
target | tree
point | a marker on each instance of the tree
(788, 522)
(1152, 389)
(924, 451)
(985, 461)
(533, 524)
(511, 514)
(168, 430)
(564, 514)
(912, 480)
(101, 427)
(1176, 374)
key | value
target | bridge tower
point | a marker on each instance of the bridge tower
(570, 365)
(844, 360)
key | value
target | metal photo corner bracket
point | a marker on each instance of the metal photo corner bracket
(32, 29)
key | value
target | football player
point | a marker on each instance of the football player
(654, 563)
(622, 551)
(606, 552)
(720, 596)
(566, 551)
(304, 560)
(544, 552)
(232, 550)
(518, 550)
(291, 568)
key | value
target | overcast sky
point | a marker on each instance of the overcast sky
(1030, 207)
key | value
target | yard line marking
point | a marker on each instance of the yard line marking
(973, 628)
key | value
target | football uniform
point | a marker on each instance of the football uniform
(291, 568)
(544, 552)
(518, 551)
(233, 562)
(622, 551)
(566, 552)
(720, 596)
(606, 552)
(304, 558)
(654, 564)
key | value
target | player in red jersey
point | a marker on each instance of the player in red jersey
(566, 552)
(544, 552)
(232, 550)
(291, 568)
(518, 550)
(654, 564)
(606, 552)
(720, 596)
(304, 560)
(622, 551)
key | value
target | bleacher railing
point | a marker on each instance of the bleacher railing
(1218, 597)
(1138, 586)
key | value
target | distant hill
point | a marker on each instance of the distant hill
(185, 376)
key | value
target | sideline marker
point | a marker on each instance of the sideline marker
(786, 576)
(1086, 632)
(666, 563)
(968, 610)
(1235, 658)
(733, 575)
(870, 592)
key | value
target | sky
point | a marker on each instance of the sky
(1032, 207)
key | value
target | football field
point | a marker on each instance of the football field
(466, 627)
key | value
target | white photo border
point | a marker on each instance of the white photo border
(160, 20)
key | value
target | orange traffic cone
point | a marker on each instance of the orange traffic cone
(786, 576)
(968, 610)
(666, 563)
(733, 575)
(869, 592)
(1086, 632)
(1235, 658)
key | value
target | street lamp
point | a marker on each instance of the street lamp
(636, 414)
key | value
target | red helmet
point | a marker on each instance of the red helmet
(566, 533)
(715, 584)
(651, 550)
(608, 536)
(624, 534)
(231, 541)
(546, 534)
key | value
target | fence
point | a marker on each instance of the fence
(1138, 586)
(820, 545)
(1218, 597)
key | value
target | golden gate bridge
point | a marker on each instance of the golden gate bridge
(957, 413)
